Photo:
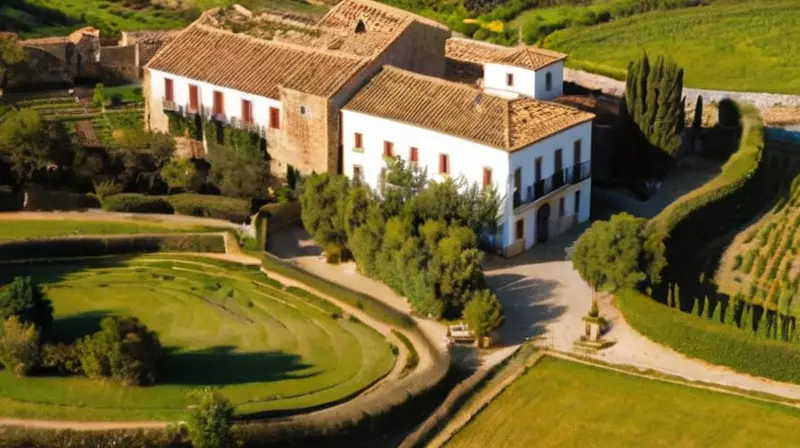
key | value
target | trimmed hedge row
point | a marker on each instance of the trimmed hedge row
(20, 437)
(710, 341)
(739, 168)
(202, 205)
(137, 203)
(87, 246)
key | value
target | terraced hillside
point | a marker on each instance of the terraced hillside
(268, 348)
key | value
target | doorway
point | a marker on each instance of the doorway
(542, 223)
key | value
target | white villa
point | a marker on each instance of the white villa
(370, 82)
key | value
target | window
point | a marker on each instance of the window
(169, 94)
(444, 164)
(559, 160)
(548, 81)
(520, 229)
(274, 118)
(247, 112)
(413, 156)
(359, 141)
(510, 79)
(561, 206)
(577, 204)
(194, 98)
(576, 152)
(361, 27)
(302, 110)
(487, 177)
(219, 103)
(358, 172)
(388, 149)
(538, 169)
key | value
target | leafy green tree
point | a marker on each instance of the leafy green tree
(454, 270)
(142, 155)
(99, 95)
(398, 184)
(242, 174)
(653, 110)
(124, 350)
(457, 203)
(210, 420)
(356, 209)
(483, 313)
(179, 174)
(366, 240)
(19, 346)
(620, 253)
(323, 208)
(24, 299)
(11, 52)
(24, 143)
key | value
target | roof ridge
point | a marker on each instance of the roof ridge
(484, 43)
(398, 11)
(440, 81)
(282, 44)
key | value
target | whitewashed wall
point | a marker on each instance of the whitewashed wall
(233, 98)
(529, 215)
(466, 157)
(526, 82)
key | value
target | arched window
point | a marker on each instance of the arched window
(361, 27)
(548, 81)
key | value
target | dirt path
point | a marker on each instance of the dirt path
(80, 426)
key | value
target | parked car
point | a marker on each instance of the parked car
(460, 334)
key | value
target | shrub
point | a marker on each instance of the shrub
(19, 346)
(106, 188)
(124, 350)
(483, 313)
(710, 341)
(210, 420)
(24, 299)
(137, 203)
(210, 206)
(413, 357)
(98, 96)
(180, 174)
(334, 253)
(62, 358)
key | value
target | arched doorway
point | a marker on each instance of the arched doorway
(542, 223)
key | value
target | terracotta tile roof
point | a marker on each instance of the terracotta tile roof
(474, 51)
(461, 110)
(376, 16)
(252, 65)
(533, 58)
(477, 52)
(150, 37)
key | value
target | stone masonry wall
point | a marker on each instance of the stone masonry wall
(305, 139)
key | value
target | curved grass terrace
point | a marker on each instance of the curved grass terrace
(271, 350)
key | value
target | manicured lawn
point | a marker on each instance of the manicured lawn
(26, 229)
(559, 403)
(731, 45)
(223, 325)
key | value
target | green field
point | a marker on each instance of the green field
(560, 403)
(741, 45)
(28, 229)
(223, 325)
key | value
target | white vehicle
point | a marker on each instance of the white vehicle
(460, 333)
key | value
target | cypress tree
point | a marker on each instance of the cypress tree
(697, 123)
(677, 296)
(694, 311)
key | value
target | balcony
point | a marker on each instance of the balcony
(545, 187)
(168, 105)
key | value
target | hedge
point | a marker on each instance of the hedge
(86, 246)
(710, 341)
(739, 168)
(21, 437)
(137, 203)
(211, 206)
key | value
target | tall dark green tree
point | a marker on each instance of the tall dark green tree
(653, 110)
(11, 52)
(24, 299)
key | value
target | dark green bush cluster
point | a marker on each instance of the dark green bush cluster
(23, 437)
(185, 125)
(137, 203)
(211, 206)
(111, 245)
(710, 341)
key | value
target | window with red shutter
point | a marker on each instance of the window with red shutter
(388, 149)
(274, 118)
(444, 164)
(194, 98)
(413, 157)
(487, 177)
(510, 79)
(359, 140)
(247, 111)
(219, 103)
(169, 93)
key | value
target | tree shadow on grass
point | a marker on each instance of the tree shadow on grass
(71, 328)
(220, 366)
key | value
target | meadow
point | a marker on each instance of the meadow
(738, 45)
(271, 350)
(562, 403)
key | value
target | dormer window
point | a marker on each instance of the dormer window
(361, 27)
(548, 81)
(509, 79)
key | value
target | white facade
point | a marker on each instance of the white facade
(232, 98)
(469, 159)
(526, 82)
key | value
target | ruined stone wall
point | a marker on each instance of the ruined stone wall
(304, 141)
(48, 66)
(428, 49)
(120, 64)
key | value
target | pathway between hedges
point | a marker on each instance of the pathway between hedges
(103, 216)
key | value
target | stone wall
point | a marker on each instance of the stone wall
(120, 64)
(45, 66)
(305, 140)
